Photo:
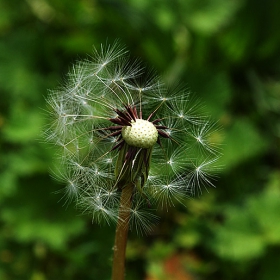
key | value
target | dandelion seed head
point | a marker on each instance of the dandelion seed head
(117, 124)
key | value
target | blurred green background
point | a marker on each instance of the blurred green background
(227, 52)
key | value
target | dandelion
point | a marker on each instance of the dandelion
(127, 143)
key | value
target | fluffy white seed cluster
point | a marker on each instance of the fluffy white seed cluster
(141, 133)
(184, 153)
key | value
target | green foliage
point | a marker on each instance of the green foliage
(227, 53)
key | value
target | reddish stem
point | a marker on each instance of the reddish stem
(121, 234)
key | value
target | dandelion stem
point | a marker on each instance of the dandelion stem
(121, 233)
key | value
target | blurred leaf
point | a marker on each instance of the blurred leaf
(239, 238)
(24, 125)
(8, 183)
(206, 17)
(55, 235)
(251, 228)
(266, 208)
(242, 141)
(160, 250)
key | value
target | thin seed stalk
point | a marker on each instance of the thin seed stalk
(121, 233)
